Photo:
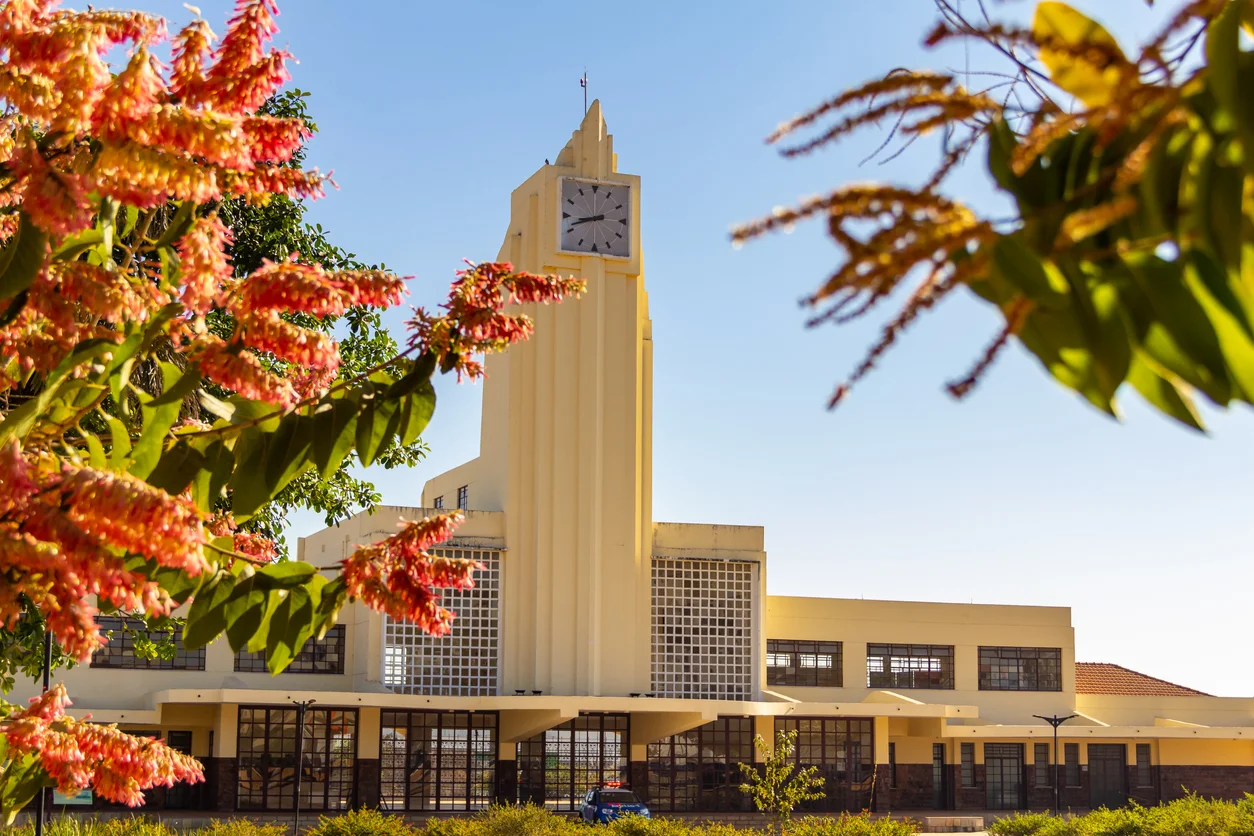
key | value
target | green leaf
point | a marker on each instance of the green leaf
(416, 412)
(119, 443)
(157, 422)
(23, 778)
(207, 617)
(245, 614)
(248, 485)
(1162, 393)
(19, 421)
(128, 223)
(22, 257)
(1208, 284)
(78, 243)
(420, 373)
(179, 224)
(1037, 280)
(286, 453)
(1224, 71)
(290, 626)
(219, 464)
(335, 426)
(183, 386)
(178, 468)
(1092, 84)
(286, 575)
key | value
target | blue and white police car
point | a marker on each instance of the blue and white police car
(601, 806)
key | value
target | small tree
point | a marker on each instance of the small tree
(781, 785)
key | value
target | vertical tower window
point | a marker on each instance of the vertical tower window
(1044, 775)
(438, 503)
(968, 764)
(1144, 772)
(463, 497)
(1071, 755)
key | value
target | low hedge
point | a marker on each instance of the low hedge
(1190, 816)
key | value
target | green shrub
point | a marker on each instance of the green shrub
(120, 826)
(237, 827)
(851, 825)
(357, 823)
(1020, 824)
(525, 820)
(1188, 816)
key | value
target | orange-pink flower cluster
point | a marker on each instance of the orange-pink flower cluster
(64, 533)
(78, 755)
(476, 321)
(399, 577)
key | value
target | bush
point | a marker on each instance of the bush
(851, 825)
(236, 827)
(525, 820)
(355, 823)
(1189, 816)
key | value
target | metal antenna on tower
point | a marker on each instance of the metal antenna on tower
(583, 82)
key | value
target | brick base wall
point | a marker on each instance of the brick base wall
(1227, 782)
(366, 785)
(914, 790)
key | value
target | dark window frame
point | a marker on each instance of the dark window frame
(272, 766)
(898, 671)
(438, 503)
(119, 653)
(698, 770)
(1033, 668)
(546, 763)
(1144, 765)
(967, 752)
(892, 766)
(1044, 774)
(312, 658)
(1071, 761)
(802, 663)
(463, 498)
(847, 778)
(458, 769)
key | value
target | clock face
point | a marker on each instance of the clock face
(595, 218)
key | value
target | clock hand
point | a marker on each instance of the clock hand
(588, 220)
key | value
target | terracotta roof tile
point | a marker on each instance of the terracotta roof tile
(1116, 680)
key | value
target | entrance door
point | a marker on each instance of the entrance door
(940, 798)
(1108, 775)
(1003, 771)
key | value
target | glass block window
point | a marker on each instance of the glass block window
(437, 760)
(791, 662)
(1071, 757)
(267, 758)
(1020, 669)
(1044, 775)
(910, 666)
(1144, 772)
(324, 655)
(698, 770)
(556, 768)
(702, 619)
(463, 497)
(120, 651)
(463, 663)
(842, 749)
(968, 764)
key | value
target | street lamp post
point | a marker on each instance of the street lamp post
(1056, 721)
(301, 706)
(42, 810)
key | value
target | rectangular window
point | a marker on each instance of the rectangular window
(910, 666)
(324, 655)
(1044, 775)
(701, 622)
(1071, 759)
(843, 749)
(437, 760)
(892, 765)
(1144, 774)
(438, 503)
(120, 651)
(462, 663)
(557, 768)
(790, 662)
(463, 497)
(968, 764)
(267, 758)
(1020, 669)
(698, 770)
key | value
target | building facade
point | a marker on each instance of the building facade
(602, 645)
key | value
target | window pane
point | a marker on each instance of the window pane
(120, 650)
(791, 663)
(1020, 669)
(927, 666)
(324, 655)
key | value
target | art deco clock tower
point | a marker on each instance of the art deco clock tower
(566, 446)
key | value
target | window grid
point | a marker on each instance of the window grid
(267, 758)
(843, 750)
(1044, 775)
(463, 663)
(791, 662)
(438, 760)
(324, 655)
(968, 764)
(557, 768)
(702, 627)
(463, 497)
(438, 503)
(892, 765)
(120, 651)
(1020, 669)
(698, 770)
(1071, 753)
(929, 666)
(1144, 773)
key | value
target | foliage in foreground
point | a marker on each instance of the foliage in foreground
(527, 820)
(782, 785)
(1128, 257)
(1190, 816)
(155, 397)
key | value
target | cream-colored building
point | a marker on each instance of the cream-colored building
(603, 645)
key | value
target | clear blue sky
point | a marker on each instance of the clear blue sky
(430, 113)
